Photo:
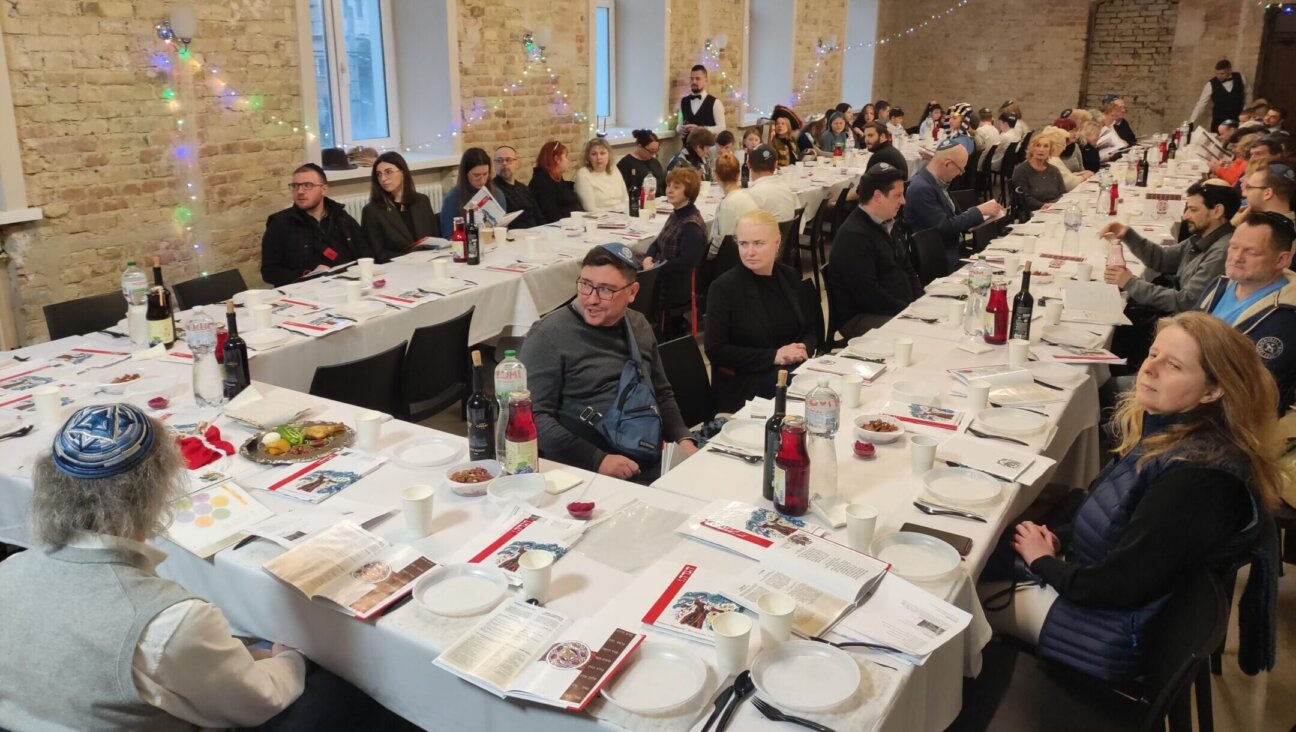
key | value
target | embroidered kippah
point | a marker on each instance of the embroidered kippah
(103, 441)
(621, 252)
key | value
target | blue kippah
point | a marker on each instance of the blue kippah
(623, 253)
(948, 143)
(103, 441)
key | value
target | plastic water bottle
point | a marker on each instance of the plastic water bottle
(200, 334)
(650, 189)
(823, 417)
(510, 376)
(1074, 219)
(978, 283)
(134, 285)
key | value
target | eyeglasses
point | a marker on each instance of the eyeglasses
(304, 186)
(505, 161)
(1247, 187)
(960, 168)
(388, 172)
(605, 292)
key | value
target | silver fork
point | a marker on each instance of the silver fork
(987, 436)
(929, 321)
(934, 509)
(749, 459)
(774, 713)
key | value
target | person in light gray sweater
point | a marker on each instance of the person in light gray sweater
(574, 357)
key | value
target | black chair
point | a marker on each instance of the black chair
(687, 373)
(726, 257)
(369, 383)
(436, 372)
(834, 324)
(966, 181)
(85, 315)
(647, 301)
(811, 300)
(985, 176)
(209, 289)
(929, 255)
(790, 233)
(1017, 691)
(983, 235)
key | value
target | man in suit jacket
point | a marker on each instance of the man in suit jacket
(929, 205)
(871, 276)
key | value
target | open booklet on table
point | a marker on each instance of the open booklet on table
(214, 517)
(741, 527)
(350, 570)
(826, 579)
(533, 653)
(904, 616)
(517, 531)
(691, 597)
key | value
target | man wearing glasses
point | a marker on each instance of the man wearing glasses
(928, 204)
(574, 358)
(1269, 189)
(518, 196)
(313, 235)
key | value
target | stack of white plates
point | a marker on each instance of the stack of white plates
(661, 679)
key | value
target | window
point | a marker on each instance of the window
(604, 58)
(769, 53)
(354, 84)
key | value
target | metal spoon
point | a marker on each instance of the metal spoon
(18, 432)
(987, 436)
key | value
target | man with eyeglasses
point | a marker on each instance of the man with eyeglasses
(574, 358)
(928, 204)
(517, 196)
(313, 235)
(1269, 189)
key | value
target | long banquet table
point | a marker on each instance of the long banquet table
(390, 658)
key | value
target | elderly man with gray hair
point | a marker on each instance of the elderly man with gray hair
(928, 204)
(92, 638)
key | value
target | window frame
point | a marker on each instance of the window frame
(340, 77)
(610, 6)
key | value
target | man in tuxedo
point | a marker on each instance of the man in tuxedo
(700, 109)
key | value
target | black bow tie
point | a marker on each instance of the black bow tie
(695, 96)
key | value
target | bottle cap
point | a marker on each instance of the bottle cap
(476, 358)
(510, 353)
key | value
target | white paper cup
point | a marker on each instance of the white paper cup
(368, 425)
(261, 316)
(1084, 272)
(978, 395)
(366, 268)
(49, 404)
(1053, 311)
(903, 351)
(645, 214)
(850, 390)
(954, 314)
(486, 235)
(536, 568)
(922, 453)
(861, 520)
(776, 613)
(1010, 265)
(440, 269)
(501, 235)
(732, 641)
(1018, 352)
(353, 291)
(591, 229)
(416, 504)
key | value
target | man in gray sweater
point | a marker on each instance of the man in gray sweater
(574, 357)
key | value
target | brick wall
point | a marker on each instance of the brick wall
(1131, 40)
(691, 24)
(818, 78)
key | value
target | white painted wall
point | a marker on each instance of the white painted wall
(857, 73)
(769, 52)
(641, 66)
(424, 66)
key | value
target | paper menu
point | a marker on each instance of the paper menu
(28, 375)
(516, 532)
(1071, 354)
(318, 325)
(825, 578)
(1002, 460)
(404, 300)
(924, 415)
(319, 479)
(214, 518)
(293, 307)
(291, 527)
(84, 357)
(540, 655)
(742, 528)
(996, 375)
(904, 616)
(690, 599)
(351, 569)
(22, 402)
(838, 366)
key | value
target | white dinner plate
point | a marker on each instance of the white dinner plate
(870, 347)
(265, 296)
(962, 485)
(916, 557)
(748, 433)
(148, 386)
(459, 590)
(264, 338)
(449, 284)
(659, 679)
(1058, 373)
(802, 383)
(1012, 422)
(362, 309)
(539, 258)
(1071, 335)
(928, 309)
(428, 452)
(805, 676)
(943, 287)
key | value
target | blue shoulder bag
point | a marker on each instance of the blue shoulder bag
(632, 423)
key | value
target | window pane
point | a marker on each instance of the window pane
(323, 89)
(603, 61)
(362, 29)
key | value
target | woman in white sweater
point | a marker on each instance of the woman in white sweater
(599, 185)
(737, 201)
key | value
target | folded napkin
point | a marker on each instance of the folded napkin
(268, 411)
(205, 450)
(147, 354)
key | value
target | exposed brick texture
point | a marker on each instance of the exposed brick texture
(1131, 39)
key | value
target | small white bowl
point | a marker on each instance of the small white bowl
(915, 392)
(473, 489)
(878, 438)
(523, 487)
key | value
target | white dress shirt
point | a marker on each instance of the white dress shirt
(1109, 142)
(1006, 139)
(1205, 98)
(986, 137)
(732, 207)
(773, 195)
(717, 110)
(189, 665)
(602, 191)
(1069, 179)
(897, 132)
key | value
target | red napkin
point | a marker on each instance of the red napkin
(200, 451)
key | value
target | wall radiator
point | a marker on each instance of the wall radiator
(355, 202)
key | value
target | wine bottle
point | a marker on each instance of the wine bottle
(481, 428)
(1141, 179)
(170, 299)
(161, 324)
(1113, 193)
(634, 201)
(1023, 308)
(473, 239)
(773, 425)
(235, 353)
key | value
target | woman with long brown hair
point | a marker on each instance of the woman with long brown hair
(396, 216)
(1195, 470)
(555, 196)
(474, 174)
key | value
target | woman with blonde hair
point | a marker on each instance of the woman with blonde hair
(1057, 139)
(1194, 472)
(598, 185)
(736, 202)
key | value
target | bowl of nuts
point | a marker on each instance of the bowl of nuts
(472, 479)
(878, 429)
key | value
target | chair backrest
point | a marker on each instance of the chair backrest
(209, 289)
(687, 373)
(84, 315)
(369, 383)
(987, 160)
(963, 199)
(983, 235)
(1190, 627)
(812, 302)
(648, 299)
(842, 209)
(726, 258)
(436, 372)
(834, 319)
(790, 231)
(929, 255)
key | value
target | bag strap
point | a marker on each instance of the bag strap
(634, 347)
